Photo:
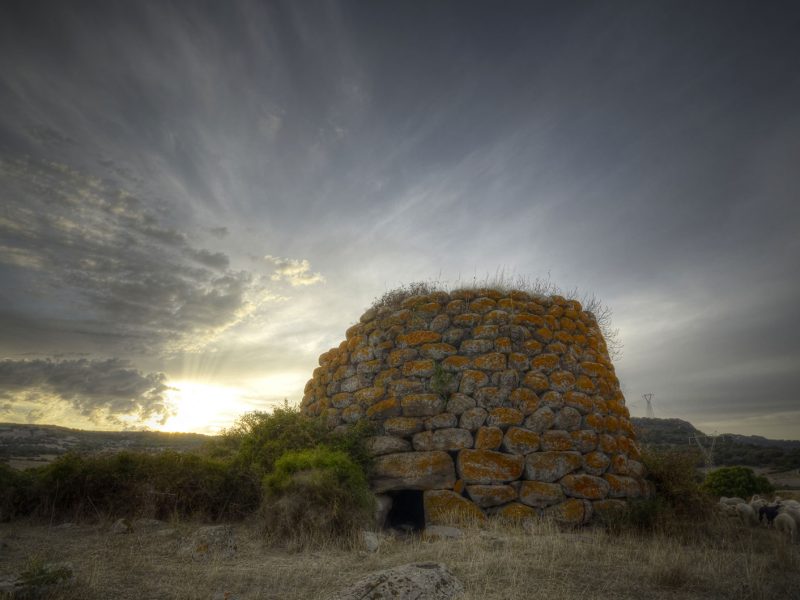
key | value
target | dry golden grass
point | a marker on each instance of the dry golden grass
(493, 562)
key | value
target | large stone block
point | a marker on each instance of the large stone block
(580, 485)
(443, 439)
(540, 494)
(445, 507)
(487, 466)
(386, 444)
(491, 495)
(551, 466)
(518, 440)
(570, 512)
(413, 471)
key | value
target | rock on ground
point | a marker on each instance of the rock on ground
(213, 540)
(415, 581)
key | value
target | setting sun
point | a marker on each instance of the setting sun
(202, 407)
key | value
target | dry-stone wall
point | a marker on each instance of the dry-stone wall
(489, 402)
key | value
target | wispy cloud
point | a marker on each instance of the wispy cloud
(116, 260)
(294, 271)
(100, 390)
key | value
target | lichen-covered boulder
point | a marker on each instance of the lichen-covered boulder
(431, 581)
(413, 471)
(506, 401)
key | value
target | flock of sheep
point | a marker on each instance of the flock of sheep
(784, 515)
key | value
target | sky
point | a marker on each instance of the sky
(198, 198)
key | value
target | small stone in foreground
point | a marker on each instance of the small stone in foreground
(432, 581)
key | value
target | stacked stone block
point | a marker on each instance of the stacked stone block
(489, 402)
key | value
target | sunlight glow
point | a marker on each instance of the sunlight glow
(203, 407)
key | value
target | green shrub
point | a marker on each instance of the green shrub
(736, 481)
(679, 498)
(314, 495)
(259, 439)
(139, 484)
(15, 489)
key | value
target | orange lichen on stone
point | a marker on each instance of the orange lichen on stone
(496, 317)
(503, 344)
(493, 361)
(455, 307)
(621, 486)
(563, 337)
(413, 471)
(524, 400)
(562, 381)
(532, 347)
(584, 384)
(351, 414)
(342, 400)
(401, 355)
(593, 369)
(485, 496)
(437, 351)
(383, 409)
(402, 426)
(482, 305)
(543, 334)
(419, 368)
(422, 405)
(466, 319)
(585, 486)
(570, 512)
(416, 338)
(386, 376)
(538, 382)
(556, 348)
(546, 362)
(557, 440)
(585, 440)
(356, 341)
(472, 380)
(369, 395)
(551, 466)
(568, 324)
(540, 494)
(487, 466)
(456, 363)
(503, 416)
(488, 438)
(518, 361)
(528, 320)
(516, 512)
(608, 443)
(596, 463)
(610, 424)
(515, 305)
(521, 441)
(577, 400)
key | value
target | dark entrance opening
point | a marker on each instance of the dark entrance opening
(407, 512)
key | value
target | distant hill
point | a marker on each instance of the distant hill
(27, 445)
(730, 448)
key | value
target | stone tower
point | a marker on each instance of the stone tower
(483, 403)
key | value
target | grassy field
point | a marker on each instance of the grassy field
(493, 562)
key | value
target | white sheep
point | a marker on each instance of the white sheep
(731, 501)
(791, 504)
(747, 514)
(786, 524)
(792, 512)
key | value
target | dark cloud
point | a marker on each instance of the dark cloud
(101, 255)
(101, 390)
